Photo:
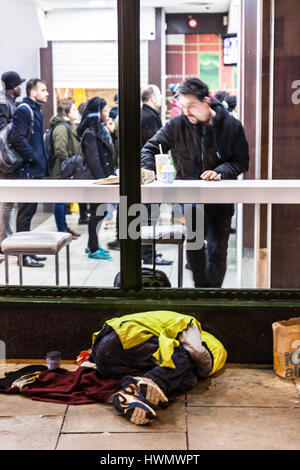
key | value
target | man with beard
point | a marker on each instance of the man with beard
(206, 143)
(27, 138)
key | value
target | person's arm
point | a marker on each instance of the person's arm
(19, 135)
(240, 158)
(61, 142)
(5, 116)
(165, 138)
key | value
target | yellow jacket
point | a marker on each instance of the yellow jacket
(136, 328)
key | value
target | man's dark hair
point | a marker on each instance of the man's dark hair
(32, 83)
(64, 107)
(195, 87)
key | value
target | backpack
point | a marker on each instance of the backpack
(75, 166)
(49, 142)
(10, 160)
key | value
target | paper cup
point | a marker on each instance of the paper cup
(160, 160)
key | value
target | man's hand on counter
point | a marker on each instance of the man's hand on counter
(211, 175)
(147, 176)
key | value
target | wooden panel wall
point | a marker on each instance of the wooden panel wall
(285, 267)
(46, 65)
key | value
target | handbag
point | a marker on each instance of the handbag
(10, 159)
(75, 167)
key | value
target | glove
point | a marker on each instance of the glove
(147, 176)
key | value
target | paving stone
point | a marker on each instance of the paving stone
(29, 432)
(123, 441)
(104, 418)
(241, 386)
(225, 428)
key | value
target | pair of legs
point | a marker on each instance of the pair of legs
(115, 362)
(209, 263)
(6, 220)
(59, 210)
(94, 225)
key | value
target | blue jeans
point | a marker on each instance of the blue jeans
(59, 210)
(113, 361)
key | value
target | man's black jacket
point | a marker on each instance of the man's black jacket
(150, 123)
(221, 146)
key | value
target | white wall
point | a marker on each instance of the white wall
(21, 37)
(92, 24)
(234, 17)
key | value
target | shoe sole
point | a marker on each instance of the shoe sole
(145, 391)
(137, 412)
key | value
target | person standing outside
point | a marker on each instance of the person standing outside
(27, 138)
(65, 144)
(12, 90)
(207, 143)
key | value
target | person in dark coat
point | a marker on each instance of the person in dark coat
(12, 90)
(207, 143)
(98, 151)
(150, 124)
(27, 138)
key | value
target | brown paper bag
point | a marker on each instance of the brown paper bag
(286, 348)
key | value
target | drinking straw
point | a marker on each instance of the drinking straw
(160, 148)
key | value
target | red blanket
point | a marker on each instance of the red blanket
(70, 387)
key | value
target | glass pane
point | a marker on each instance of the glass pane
(80, 70)
(188, 43)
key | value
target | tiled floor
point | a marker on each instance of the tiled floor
(101, 273)
(242, 407)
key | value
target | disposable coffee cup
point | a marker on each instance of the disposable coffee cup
(53, 359)
(160, 160)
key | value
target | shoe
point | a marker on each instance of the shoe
(74, 234)
(38, 258)
(99, 255)
(158, 260)
(146, 390)
(133, 408)
(83, 220)
(105, 252)
(30, 262)
(114, 245)
(188, 266)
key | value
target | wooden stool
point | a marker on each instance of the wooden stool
(36, 243)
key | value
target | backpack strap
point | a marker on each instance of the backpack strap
(31, 129)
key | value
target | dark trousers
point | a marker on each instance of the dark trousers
(209, 264)
(26, 211)
(113, 361)
(94, 227)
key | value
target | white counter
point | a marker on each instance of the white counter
(181, 191)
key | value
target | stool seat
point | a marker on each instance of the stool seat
(36, 243)
(48, 243)
(169, 235)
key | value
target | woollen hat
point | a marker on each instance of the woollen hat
(11, 80)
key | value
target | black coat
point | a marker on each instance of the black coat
(30, 145)
(150, 123)
(221, 146)
(7, 109)
(98, 154)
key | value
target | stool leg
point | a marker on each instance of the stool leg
(6, 268)
(56, 269)
(21, 269)
(180, 264)
(68, 264)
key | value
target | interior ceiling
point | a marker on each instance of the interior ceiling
(171, 6)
